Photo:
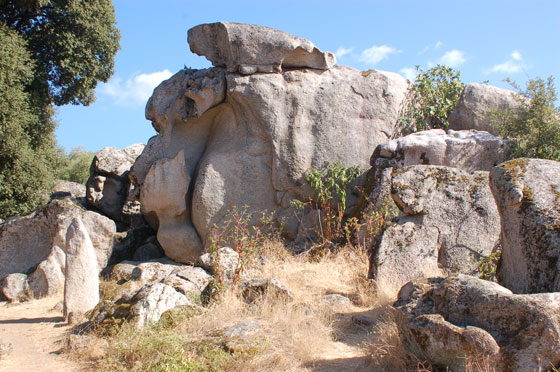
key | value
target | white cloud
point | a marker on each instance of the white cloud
(516, 55)
(439, 44)
(508, 67)
(453, 58)
(511, 66)
(377, 53)
(136, 90)
(409, 73)
(342, 51)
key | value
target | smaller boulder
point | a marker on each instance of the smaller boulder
(248, 49)
(152, 301)
(227, 261)
(476, 105)
(14, 287)
(460, 319)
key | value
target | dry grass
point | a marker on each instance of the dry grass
(295, 336)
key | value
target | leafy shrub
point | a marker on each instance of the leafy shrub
(433, 96)
(329, 186)
(532, 129)
(75, 166)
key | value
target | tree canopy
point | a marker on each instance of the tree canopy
(52, 52)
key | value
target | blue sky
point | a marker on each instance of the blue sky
(485, 40)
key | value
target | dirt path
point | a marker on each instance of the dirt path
(36, 330)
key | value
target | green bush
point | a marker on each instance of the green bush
(433, 96)
(532, 129)
(75, 166)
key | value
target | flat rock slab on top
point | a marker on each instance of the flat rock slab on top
(250, 48)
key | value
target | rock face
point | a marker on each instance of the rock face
(448, 221)
(460, 320)
(250, 48)
(477, 102)
(81, 286)
(39, 241)
(108, 184)
(527, 192)
(260, 132)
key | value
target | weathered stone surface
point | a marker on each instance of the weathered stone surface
(14, 287)
(48, 278)
(24, 243)
(250, 48)
(237, 338)
(166, 202)
(469, 150)
(335, 299)
(527, 192)
(448, 221)
(81, 286)
(254, 289)
(477, 102)
(148, 272)
(5, 349)
(152, 301)
(108, 184)
(228, 261)
(459, 319)
(64, 188)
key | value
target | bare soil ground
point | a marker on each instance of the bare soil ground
(36, 331)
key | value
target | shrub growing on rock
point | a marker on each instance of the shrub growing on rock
(433, 96)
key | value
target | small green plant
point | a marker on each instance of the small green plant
(329, 187)
(532, 128)
(488, 266)
(433, 96)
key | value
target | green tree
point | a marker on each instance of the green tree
(52, 52)
(532, 129)
(433, 96)
(75, 166)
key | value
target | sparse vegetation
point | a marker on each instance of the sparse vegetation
(432, 97)
(533, 128)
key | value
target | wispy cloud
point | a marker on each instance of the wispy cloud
(376, 54)
(511, 66)
(409, 73)
(437, 45)
(342, 51)
(453, 58)
(136, 90)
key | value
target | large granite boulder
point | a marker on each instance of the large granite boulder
(35, 244)
(260, 132)
(108, 185)
(250, 48)
(460, 321)
(478, 103)
(448, 221)
(527, 192)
